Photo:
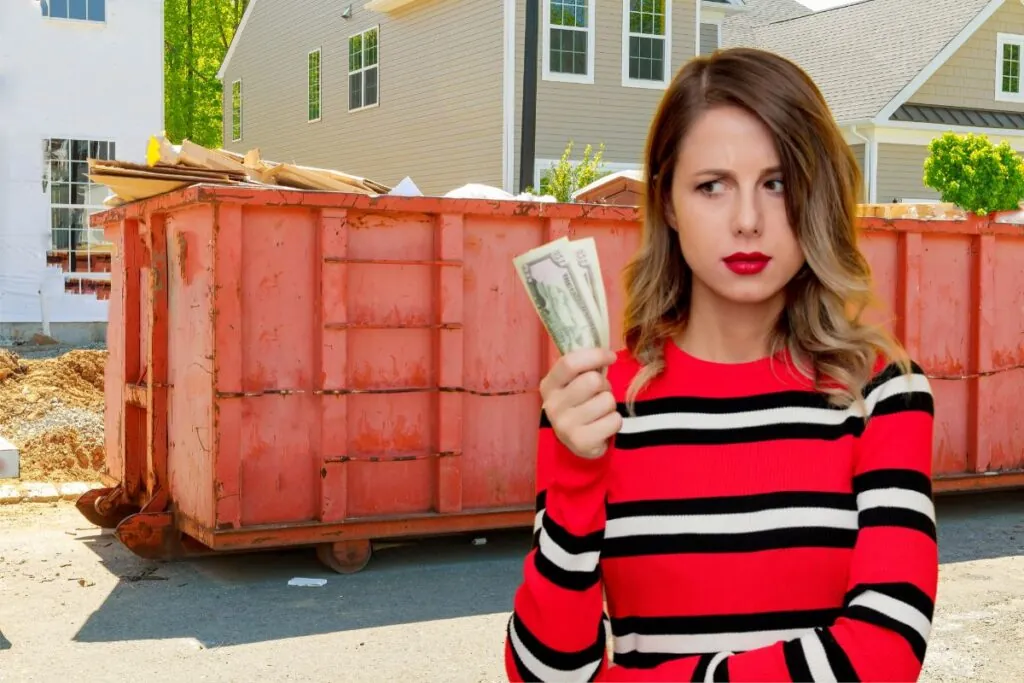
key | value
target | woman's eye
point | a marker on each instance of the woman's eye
(710, 187)
(775, 185)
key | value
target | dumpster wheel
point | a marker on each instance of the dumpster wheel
(345, 557)
(102, 508)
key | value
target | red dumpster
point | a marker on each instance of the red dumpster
(293, 368)
(303, 368)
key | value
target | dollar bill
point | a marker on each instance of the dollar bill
(563, 280)
(585, 252)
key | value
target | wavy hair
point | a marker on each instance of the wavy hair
(822, 323)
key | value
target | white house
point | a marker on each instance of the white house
(78, 79)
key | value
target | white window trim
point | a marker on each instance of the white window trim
(628, 82)
(241, 108)
(1001, 40)
(87, 233)
(541, 165)
(362, 69)
(320, 85)
(717, 21)
(96, 22)
(546, 73)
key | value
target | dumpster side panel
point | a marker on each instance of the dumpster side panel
(191, 439)
(391, 332)
(269, 252)
(882, 250)
(507, 350)
(945, 312)
(1002, 392)
(113, 373)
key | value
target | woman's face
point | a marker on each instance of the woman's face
(729, 209)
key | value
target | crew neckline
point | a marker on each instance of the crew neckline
(690, 359)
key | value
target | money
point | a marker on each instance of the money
(563, 280)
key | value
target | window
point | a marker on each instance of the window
(646, 42)
(1008, 73)
(84, 10)
(569, 40)
(236, 111)
(73, 196)
(710, 37)
(363, 77)
(313, 95)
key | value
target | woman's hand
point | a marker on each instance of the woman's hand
(578, 401)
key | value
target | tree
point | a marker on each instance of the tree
(971, 172)
(565, 177)
(197, 34)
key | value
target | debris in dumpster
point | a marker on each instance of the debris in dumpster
(406, 188)
(172, 167)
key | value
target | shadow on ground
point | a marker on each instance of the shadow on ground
(980, 526)
(244, 598)
(4, 643)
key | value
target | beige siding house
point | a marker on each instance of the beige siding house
(898, 73)
(432, 89)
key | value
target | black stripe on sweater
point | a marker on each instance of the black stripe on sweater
(796, 662)
(556, 659)
(725, 623)
(838, 660)
(774, 539)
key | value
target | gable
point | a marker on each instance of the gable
(235, 39)
(868, 56)
(968, 78)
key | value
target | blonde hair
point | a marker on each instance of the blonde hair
(822, 324)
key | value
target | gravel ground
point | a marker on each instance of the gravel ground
(40, 351)
(76, 605)
(52, 410)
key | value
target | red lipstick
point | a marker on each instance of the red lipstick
(747, 264)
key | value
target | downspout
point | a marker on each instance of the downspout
(869, 161)
(696, 48)
(528, 139)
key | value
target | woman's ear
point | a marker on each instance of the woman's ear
(670, 215)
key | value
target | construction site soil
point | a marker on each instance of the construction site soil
(51, 408)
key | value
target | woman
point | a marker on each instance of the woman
(748, 483)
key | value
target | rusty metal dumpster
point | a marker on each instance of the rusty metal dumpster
(954, 284)
(294, 368)
(300, 368)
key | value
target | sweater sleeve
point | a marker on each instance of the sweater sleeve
(882, 631)
(557, 630)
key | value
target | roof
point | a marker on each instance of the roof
(235, 38)
(960, 116)
(737, 29)
(865, 54)
(629, 179)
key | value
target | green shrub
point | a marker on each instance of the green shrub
(565, 177)
(971, 172)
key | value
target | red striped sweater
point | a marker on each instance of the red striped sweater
(740, 529)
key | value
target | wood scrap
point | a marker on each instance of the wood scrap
(170, 167)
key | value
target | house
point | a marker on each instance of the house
(898, 73)
(78, 79)
(432, 89)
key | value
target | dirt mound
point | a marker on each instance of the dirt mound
(52, 410)
(10, 365)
